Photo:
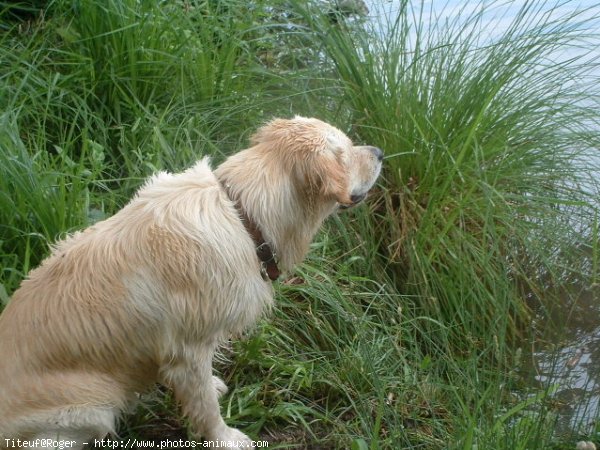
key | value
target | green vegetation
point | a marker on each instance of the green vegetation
(405, 326)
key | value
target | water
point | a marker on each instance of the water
(566, 355)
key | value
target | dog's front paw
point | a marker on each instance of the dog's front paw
(219, 386)
(232, 438)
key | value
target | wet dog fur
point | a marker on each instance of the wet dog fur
(148, 295)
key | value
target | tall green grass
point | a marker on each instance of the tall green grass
(37, 203)
(486, 139)
(401, 330)
(487, 207)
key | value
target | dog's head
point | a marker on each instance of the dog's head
(327, 168)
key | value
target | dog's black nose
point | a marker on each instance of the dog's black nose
(377, 153)
(357, 198)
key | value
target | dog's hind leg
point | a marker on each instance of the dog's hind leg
(190, 376)
(67, 427)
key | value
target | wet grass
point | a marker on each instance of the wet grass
(406, 325)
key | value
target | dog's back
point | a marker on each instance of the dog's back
(93, 324)
(66, 335)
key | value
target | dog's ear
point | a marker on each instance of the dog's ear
(303, 144)
(324, 176)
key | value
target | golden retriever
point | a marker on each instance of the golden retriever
(149, 294)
